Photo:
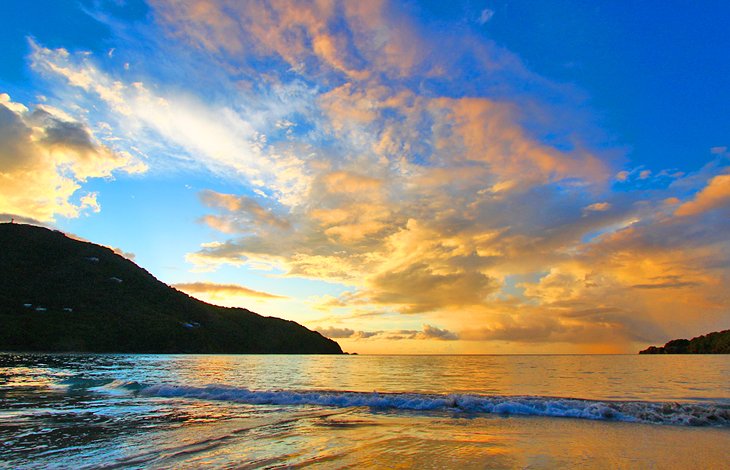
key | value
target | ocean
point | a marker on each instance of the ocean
(251, 411)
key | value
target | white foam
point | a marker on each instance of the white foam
(694, 414)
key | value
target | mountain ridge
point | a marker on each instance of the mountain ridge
(63, 294)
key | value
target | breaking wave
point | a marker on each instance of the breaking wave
(686, 414)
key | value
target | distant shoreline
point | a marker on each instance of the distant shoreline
(711, 343)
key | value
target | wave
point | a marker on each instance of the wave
(101, 385)
(687, 414)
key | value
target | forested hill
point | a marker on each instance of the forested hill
(712, 343)
(61, 294)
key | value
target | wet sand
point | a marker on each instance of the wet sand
(190, 434)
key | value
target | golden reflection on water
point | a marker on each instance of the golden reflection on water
(260, 436)
(658, 378)
(28, 377)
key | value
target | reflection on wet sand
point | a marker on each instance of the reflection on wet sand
(360, 438)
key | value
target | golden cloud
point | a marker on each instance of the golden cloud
(222, 291)
(597, 207)
(445, 206)
(44, 160)
(298, 31)
(485, 131)
(716, 194)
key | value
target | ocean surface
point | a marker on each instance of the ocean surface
(219, 411)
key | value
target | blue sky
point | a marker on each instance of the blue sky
(410, 176)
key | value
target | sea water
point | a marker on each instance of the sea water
(246, 411)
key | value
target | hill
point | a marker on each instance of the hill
(61, 294)
(712, 343)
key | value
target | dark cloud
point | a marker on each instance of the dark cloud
(666, 285)
(332, 332)
(366, 334)
(428, 332)
(60, 133)
(16, 148)
(431, 332)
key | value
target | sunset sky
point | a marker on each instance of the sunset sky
(404, 177)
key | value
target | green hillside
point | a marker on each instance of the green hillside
(60, 294)
(712, 343)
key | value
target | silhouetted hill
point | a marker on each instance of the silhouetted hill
(60, 294)
(712, 343)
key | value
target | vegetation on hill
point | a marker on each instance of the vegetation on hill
(60, 294)
(712, 343)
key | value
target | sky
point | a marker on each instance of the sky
(489, 177)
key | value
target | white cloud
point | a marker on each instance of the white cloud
(223, 139)
(485, 16)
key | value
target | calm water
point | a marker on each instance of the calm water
(184, 411)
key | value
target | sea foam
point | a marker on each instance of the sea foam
(688, 414)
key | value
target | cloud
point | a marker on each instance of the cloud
(486, 132)
(216, 134)
(5, 217)
(597, 207)
(713, 196)
(485, 16)
(427, 171)
(332, 332)
(305, 35)
(428, 333)
(431, 332)
(414, 269)
(580, 327)
(665, 285)
(349, 182)
(630, 271)
(222, 291)
(247, 212)
(221, 138)
(347, 333)
(45, 159)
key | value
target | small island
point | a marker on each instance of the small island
(712, 343)
(61, 294)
